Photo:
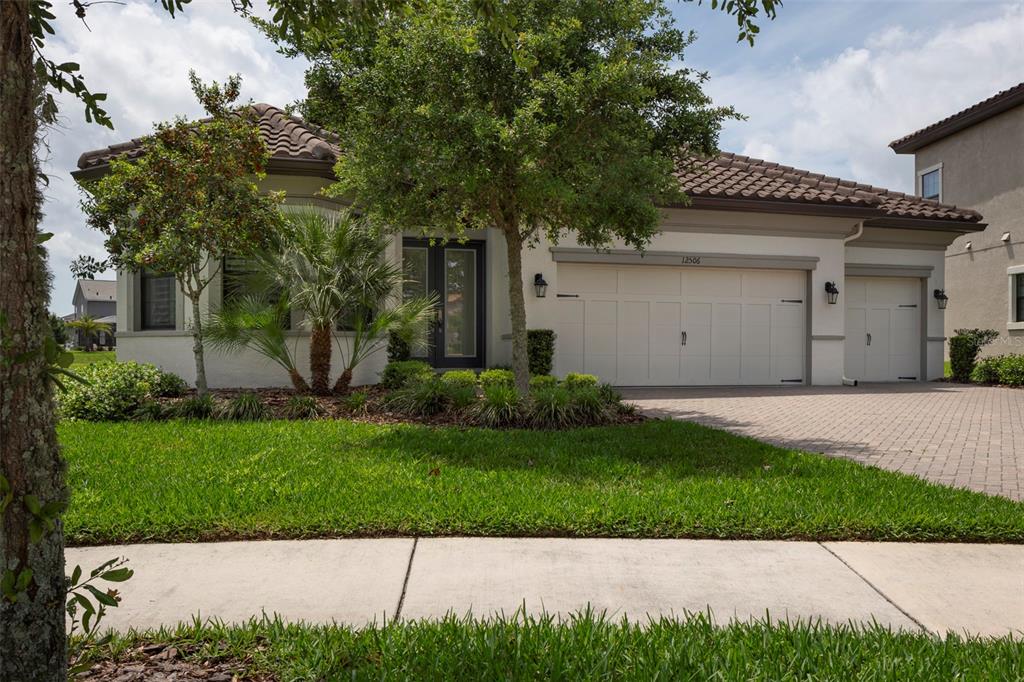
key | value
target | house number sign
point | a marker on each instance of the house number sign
(691, 260)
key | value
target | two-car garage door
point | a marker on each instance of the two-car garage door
(668, 326)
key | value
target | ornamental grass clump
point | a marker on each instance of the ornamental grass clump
(551, 408)
(244, 407)
(302, 407)
(500, 406)
(422, 399)
(195, 408)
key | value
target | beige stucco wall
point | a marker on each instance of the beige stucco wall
(983, 169)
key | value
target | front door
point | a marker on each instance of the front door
(454, 273)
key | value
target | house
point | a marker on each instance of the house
(975, 158)
(771, 275)
(96, 298)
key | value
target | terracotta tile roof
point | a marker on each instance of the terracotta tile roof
(731, 176)
(976, 113)
(287, 137)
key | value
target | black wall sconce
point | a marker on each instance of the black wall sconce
(941, 298)
(540, 286)
(832, 291)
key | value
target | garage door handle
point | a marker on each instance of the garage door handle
(683, 338)
(869, 339)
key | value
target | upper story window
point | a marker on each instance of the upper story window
(158, 308)
(929, 183)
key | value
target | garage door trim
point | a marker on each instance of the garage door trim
(683, 258)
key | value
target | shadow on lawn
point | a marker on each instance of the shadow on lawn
(664, 448)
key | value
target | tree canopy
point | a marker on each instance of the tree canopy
(579, 129)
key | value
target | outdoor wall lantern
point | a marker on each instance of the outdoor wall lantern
(941, 298)
(540, 286)
(832, 291)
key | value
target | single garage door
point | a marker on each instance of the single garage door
(883, 328)
(640, 325)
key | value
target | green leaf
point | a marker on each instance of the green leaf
(101, 596)
(118, 575)
(32, 504)
(76, 575)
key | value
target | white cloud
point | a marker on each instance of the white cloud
(839, 114)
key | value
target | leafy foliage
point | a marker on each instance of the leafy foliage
(405, 373)
(356, 402)
(574, 379)
(465, 378)
(551, 408)
(58, 329)
(540, 349)
(90, 328)
(577, 129)
(87, 267)
(964, 347)
(113, 391)
(497, 377)
(1007, 370)
(398, 348)
(86, 606)
(542, 381)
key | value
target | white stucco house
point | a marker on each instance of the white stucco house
(772, 275)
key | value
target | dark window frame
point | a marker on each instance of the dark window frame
(1018, 297)
(145, 323)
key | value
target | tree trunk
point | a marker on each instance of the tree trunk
(298, 383)
(344, 379)
(32, 642)
(320, 359)
(197, 346)
(520, 359)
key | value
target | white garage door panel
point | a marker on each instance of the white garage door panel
(883, 328)
(650, 325)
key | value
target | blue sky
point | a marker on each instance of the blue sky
(827, 86)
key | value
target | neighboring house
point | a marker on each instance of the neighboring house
(98, 299)
(975, 158)
(734, 291)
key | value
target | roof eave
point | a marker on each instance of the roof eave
(773, 206)
(322, 168)
(938, 224)
(925, 137)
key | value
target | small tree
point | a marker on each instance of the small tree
(580, 128)
(89, 328)
(59, 330)
(189, 199)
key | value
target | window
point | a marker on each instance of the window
(930, 183)
(234, 273)
(1018, 298)
(158, 308)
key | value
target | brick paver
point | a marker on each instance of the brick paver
(959, 435)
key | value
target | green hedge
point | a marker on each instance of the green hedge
(540, 350)
(115, 390)
(1007, 370)
(964, 348)
(401, 373)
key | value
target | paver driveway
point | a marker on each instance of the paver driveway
(966, 436)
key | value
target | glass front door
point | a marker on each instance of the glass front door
(454, 273)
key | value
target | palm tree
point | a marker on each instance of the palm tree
(88, 326)
(332, 268)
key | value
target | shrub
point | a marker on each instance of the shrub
(150, 411)
(398, 348)
(403, 373)
(171, 385)
(574, 379)
(423, 398)
(986, 371)
(540, 350)
(497, 377)
(356, 402)
(500, 406)
(542, 381)
(551, 407)
(195, 407)
(588, 404)
(115, 390)
(461, 397)
(609, 394)
(459, 378)
(244, 407)
(302, 407)
(1007, 370)
(964, 348)
(1011, 370)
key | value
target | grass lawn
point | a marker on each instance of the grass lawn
(947, 369)
(587, 648)
(172, 481)
(85, 357)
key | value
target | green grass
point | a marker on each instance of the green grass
(84, 357)
(173, 481)
(947, 369)
(589, 648)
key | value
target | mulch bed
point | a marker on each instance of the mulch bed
(165, 663)
(374, 412)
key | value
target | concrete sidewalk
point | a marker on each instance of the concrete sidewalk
(940, 588)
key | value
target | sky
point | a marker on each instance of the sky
(827, 86)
